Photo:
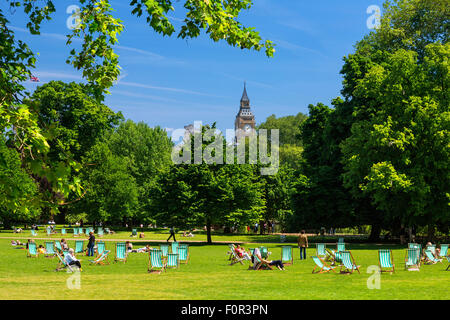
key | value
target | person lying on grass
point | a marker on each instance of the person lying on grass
(278, 263)
(16, 243)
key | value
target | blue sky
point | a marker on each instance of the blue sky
(172, 82)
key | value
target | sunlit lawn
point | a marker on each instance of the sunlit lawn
(208, 276)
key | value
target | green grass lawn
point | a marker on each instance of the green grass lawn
(208, 276)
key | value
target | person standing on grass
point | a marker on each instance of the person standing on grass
(303, 244)
(91, 244)
(172, 234)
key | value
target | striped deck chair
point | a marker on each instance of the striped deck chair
(260, 265)
(340, 246)
(100, 232)
(230, 251)
(32, 250)
(174, 247)
(321, 265)
(432, 248)
(102, 259)
(134, 232)
(76, 232)
(121, 252)
(386, 260)
(183, 253)
(155, 261)
(79, 246)
(444, 251)
(172, 260)
(49, 249)
(100, 247)
(264, 252)
(33, 233)
(348, 263)
(58, 246)
(412, 259)
(62, 264)
(63, 231)
(235, 258)
(333, 256)
(320, 250)
(49, 231)
(341, 240)
(286, 255)
(448, 260)
(164, 249)
(430, 258)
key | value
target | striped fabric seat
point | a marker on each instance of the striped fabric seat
(49, 249)
(155, 263)
(174, 247)
(432, 248)
(164, 249)
(444, 251)
(264, 252)
(33, 232)
(58, 246)
(49, 231)
(79, 246)
(386, 260)
(76, 232)
(63, 231)
(430, 258)
(183, 253)
(348, 263)
(101, 247)
(134, 232)
(102, 259)
(321, 265)
(32, 250)
(172, 260)
(340, 246)
(62, 264)
(121, 253)
(100, 232)
(286, 255)
(320, 249)
(412, 258)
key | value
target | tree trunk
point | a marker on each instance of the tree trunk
(375, 233)
(208, 231)
(431, 230)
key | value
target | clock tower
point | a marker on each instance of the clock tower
(244, 124)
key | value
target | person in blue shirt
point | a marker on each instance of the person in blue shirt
(72, 260)
(91, 244)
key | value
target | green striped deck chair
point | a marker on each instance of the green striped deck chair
(134, 232)
(448, 260)
(340, 246)
(430, 258)
(286, 255)
(32, 250)
(101, 259)
(231, 250)
(121, 252)
(183, 253)
(432, 248)
(49, 231)
(174, 247)
(264, 252)
(50, 249)
(235, 258)
(100, 247)
(58, 246)
(260, 265)
(412, 259)
(62, 264)
(386, 260)
(63, 231)
(341, 240)
(33, 233)
(155, 262)
(100, 232)
(444, 251)
(320, 250)
(164, 249)
(333, 256)
(79, 246)
(348, 263)
(76, 232)
(172, 260)
(321, 265)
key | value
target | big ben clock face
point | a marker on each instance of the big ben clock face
(247, 128)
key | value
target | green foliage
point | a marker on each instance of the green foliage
(289, 127)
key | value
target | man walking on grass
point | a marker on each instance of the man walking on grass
(172, 234)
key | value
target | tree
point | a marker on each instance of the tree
(289, 127)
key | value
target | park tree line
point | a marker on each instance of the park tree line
(378, 155)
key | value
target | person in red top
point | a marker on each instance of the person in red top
(241, 252)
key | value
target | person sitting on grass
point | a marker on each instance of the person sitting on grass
(41, 249)
(129, 246)
(278, 263)
(71, 260)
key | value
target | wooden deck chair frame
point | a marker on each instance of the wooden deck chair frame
(388, 252)
(101, 259)
(160, 262)
(324, 267)
(344, 268)
(331, 256)
(289, 261)
(124, 259)
(32, 255)
(230, 250)
(407, 258)
(62, 264)
(235, 258)
(261, 265)
(448, 260)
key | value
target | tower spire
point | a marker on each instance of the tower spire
(244, 94)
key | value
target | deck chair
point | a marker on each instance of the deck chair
(172, 260)
(235, 258)
(183, 253)
(340, 246)
(62, 264)
(386, 260)
(432, 248)
(333, 256)
(444, 251)
(58, 246)
(134, 232)
(430, 258)
(321, 265)
(49, 231)
(100, 247)
(412, 259)
(49, 249)
(448, 260)
(164, 249)
(63, 231)
(33, 233)
(341, 240)
(76, 232)
(32, 250)
(101, 259)
(348, 263)
(320, 250)
(230, 250)
(264, 252)
(121, 252)
(260, 265)
(155, 262)
(100, 232)
(174, 247)
(286, 255)
(79, 246)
